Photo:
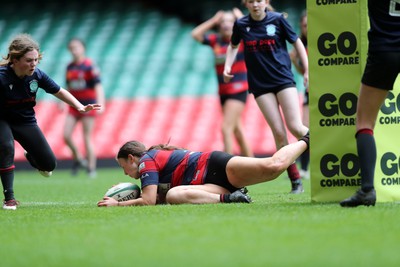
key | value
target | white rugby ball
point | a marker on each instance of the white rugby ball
(124, 192)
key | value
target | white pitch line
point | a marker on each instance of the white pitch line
(53, 203)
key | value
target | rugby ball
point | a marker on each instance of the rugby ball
(124, 192)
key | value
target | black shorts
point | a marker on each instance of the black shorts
(216, 170)
(381, 69)
(242, 96)
(274, 90)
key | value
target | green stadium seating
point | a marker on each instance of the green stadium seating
(153, 72)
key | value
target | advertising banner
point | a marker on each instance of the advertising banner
(337, 32)
(337, 46)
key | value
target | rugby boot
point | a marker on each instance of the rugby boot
(297, 187)
(240, 196)
(360, 198)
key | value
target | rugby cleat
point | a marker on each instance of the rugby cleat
(45, 173)
(77, 164)
(360, 198)
(240, 196)
(297, 187)
(10, 204)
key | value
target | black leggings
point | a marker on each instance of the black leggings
(31, 138)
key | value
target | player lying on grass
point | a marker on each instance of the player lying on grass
(176, 176)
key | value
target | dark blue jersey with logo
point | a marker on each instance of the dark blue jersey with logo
(266, 54)
(384, 33)
(18, 95)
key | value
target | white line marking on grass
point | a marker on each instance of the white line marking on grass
(53, 203)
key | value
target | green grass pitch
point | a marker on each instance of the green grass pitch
(59, 224)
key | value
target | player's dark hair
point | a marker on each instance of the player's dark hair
(138, 149)
(134, 148)
(164, 147)
(19, 46)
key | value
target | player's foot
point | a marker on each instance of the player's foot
(43, 173)
(10, 204)
(240, 196)
(360, 198)
(305, 174)
(77, 164)
(46, 173)
(297, 187)
(92, 173)
(244, 190)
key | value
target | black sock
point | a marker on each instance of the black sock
(304, 160)
(366, 149)
(224, 198)
(7, 179)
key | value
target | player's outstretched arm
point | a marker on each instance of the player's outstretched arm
(147, 198)
(68, 98)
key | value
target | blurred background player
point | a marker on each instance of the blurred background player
(19, 82)
(83, 82)
(264, 34)
(233, 95)
(294, 56)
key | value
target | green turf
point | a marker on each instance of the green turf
(58, 224)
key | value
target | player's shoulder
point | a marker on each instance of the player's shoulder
(3, 74)
(243, 20)
(274, 16)
(39, 74)
(3, 69)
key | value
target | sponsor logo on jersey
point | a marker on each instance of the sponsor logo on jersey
(270, 29)
(34, 86)
(141, 166)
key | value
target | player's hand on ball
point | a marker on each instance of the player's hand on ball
(107, 202)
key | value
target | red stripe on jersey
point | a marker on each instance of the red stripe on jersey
(201, 169)
(178, 174)
(239, 82)
(81, 78)
(234, 87)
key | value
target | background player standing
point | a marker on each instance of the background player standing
(264, 34)
(294, 56)
(83, 82)
(233, 95)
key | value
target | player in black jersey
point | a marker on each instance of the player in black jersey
(381, 71)
(20, 79)
(265, 34)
